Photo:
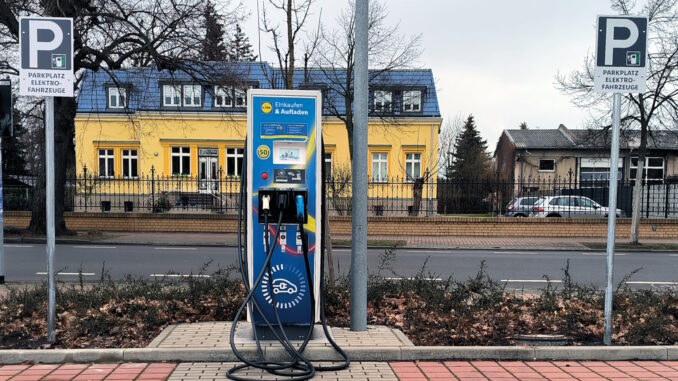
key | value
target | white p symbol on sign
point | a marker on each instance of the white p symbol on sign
(34, 45)
(611, 43)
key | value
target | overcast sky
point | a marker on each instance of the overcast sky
(494, 59)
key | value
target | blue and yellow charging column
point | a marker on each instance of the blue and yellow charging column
(284, 153)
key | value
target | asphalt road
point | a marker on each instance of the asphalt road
(520, 269)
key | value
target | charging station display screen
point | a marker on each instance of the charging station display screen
(283, 142)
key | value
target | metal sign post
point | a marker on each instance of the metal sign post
(5, 123)
(620, 68)
(46, 48)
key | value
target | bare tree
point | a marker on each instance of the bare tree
(655, 109)
(446, 139)
(108, 35)
(296, 17)
(387, 50)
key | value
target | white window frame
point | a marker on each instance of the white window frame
(546, 170)
(239, 98)
(183, 152)
(109, 168)
(383, 100)
(221, 95)
(412, 159)
(326, 160)
(380, 160)
(598, 168)
(237, 156)
(119, 94)
(127, 158)
(647, 167)
(173, 92)
(192, 95)
(412, 98)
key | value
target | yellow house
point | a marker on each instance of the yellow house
(141, 128)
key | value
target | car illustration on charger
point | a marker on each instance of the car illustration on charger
(284, 286)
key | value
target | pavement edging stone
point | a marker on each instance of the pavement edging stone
(57, 356)
(162, 336)
(604, 353)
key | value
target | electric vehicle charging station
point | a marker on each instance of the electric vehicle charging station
(284, 134)
(281, 199)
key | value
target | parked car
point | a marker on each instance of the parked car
(520, 207)
(569, 206)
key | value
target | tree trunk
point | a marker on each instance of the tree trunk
(290, 48)
(64, 115)
(348, 104)
(328, 243)
(638, 186)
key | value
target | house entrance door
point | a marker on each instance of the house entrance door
(208, 170)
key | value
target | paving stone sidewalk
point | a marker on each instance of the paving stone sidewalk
(217, 335)
(359, 371)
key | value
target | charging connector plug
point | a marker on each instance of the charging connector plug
(300, 208)
(282, 201)
(266, 202)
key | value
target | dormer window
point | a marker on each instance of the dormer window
(229, 97)
(223, 97)
(171, 95)
(117, 97)
(412, 101)
(382, 100)
(240, 98)
(192, 95)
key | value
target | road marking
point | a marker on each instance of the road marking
(175, 248)
(530, 281)
(179, 276)
(602, 254)
(516, 252)
(663, 283)
(413, 278)
(67, 274)
(673, 255)
(19, 246)
(95, 247)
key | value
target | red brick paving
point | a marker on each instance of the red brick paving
(536, 370)
(84, 372)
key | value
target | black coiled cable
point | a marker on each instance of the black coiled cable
(298, 368)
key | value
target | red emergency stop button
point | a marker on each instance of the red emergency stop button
(264, 175)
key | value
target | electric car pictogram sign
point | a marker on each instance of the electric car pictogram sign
(621, 54)
(46, 48)
(289, 286)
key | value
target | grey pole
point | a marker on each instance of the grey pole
(49, 173)
(359, 172)
(2, 226)
(612, 215)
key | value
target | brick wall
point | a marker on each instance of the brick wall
(387, 226)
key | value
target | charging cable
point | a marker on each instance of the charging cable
(298, 368)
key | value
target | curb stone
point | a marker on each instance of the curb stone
(161, 337)
(60, 356)
(606, 354)
(467, 353)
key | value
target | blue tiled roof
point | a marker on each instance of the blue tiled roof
(144, 86)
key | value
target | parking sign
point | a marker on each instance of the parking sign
(621, 54)
(46, 48)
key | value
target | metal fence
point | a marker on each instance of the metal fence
(394, 197)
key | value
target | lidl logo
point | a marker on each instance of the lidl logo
(263, 152)
(266, 107)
